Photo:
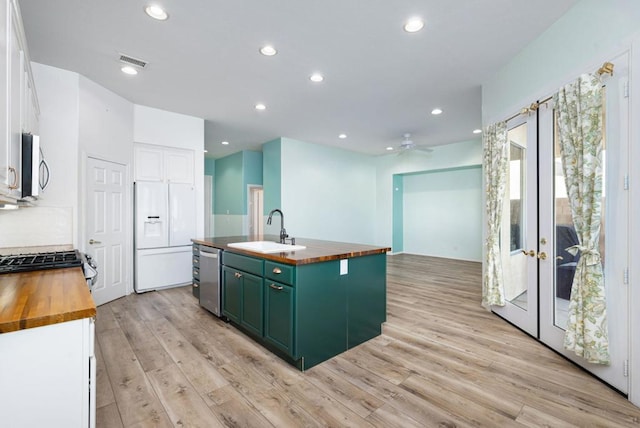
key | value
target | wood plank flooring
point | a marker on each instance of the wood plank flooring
(442, 361)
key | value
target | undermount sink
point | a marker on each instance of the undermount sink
(266, 246)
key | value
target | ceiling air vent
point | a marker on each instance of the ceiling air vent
(132, 61)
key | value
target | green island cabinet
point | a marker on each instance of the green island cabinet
(305, 313)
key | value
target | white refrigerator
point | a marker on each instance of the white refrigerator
(165, 222)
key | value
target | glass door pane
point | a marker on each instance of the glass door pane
(516, 288)
(518, 236)
(565, 235)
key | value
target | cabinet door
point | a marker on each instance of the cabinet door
(252, 303)
(16, 85)
(148, 163)
(179, 165)
(231, 294)
(278, 329)
(366, 294)
(4, 131)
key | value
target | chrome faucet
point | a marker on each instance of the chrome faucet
(283, 231)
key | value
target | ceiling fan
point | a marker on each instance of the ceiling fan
(407, 145)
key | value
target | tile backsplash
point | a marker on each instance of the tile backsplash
(36, 226)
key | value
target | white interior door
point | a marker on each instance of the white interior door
(106, 227)
(519, 234)
(556, 227)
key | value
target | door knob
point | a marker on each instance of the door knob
(542, 255)
(531, 253)
(91, 241)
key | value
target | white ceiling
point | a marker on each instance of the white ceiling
(380, 82)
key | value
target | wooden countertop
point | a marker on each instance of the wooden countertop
(35, 299)
(316, 251)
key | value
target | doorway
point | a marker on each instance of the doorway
(255, 210)
(538, 227)
(106, 227)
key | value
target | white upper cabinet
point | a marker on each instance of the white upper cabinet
(165, 164)
(5, 179)
(19, 112)
(179, 165)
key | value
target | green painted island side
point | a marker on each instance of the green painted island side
(308, 313)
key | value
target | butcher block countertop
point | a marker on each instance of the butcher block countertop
(317, 251)
(44, 297)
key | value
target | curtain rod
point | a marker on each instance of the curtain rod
(606, 68)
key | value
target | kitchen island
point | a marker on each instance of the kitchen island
(47, 355)
(307, 305)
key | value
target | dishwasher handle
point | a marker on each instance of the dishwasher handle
(208, 255)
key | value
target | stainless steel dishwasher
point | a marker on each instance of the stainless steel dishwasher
(210, 279)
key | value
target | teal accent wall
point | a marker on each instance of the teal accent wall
(228, 185)
(232, 174)
(398, 215)
(210, 169)
(272, 174)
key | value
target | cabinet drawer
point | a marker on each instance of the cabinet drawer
(247, 264)
(279, 272)
(196, 261)
(196, 250)
(196, 273)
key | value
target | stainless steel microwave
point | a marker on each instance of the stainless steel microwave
(35, 170)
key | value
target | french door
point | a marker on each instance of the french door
(519, 234)
(538, 271)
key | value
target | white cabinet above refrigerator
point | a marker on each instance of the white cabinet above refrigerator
(156, 163)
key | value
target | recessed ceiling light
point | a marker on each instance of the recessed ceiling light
(260, 107)
(268, 50)
(316, 77)
(225, 143)
(156, 12)
(477, 131)
(206, 151)
(389, 148)
(436, 111)
(413, 25)
(342, 136)
(127, 69)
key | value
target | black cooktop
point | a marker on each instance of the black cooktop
(39, 261)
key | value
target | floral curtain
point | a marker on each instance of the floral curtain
(579, 119)
(495, 165)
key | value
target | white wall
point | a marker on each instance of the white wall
(443, 214)
(590, 33)
(163, 128)
(327, 193)
(463, 154)
(80, 118)
(53, 220)
(106, 124)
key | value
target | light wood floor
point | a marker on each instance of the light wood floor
(442, 361)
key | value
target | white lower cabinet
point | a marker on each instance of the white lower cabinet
(47, 376)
